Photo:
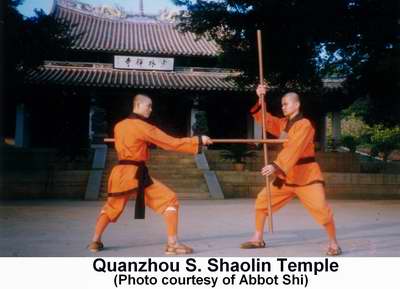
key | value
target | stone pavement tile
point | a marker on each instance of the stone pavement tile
(211, 227)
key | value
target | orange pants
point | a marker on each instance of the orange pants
(158, 197)
(312, 197)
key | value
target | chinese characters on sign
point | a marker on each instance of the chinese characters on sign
(145, 63)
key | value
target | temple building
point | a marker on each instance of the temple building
(73, 103)
(116, 55)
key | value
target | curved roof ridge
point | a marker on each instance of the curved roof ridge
(99, 33)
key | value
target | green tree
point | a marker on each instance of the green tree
(374, 58)
(305, 41)
(28, 42)
(292, 31)
(350, 141)
(384, 140)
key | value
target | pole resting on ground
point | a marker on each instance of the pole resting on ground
(264, 129)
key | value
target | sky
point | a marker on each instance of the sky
(150, 6)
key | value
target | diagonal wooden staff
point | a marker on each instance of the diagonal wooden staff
(264, 131)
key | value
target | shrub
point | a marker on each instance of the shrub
(350, 141)
(384, 140)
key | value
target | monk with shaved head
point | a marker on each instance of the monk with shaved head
(131, 177)
(295, 169)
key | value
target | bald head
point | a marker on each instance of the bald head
(142, 105)
(140, 98)
(293, 96)
(290, 104)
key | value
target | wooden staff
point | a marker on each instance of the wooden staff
(255, 141)
(264, 131)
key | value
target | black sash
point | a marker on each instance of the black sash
(278, 182)
(304, 161)
(144, 180)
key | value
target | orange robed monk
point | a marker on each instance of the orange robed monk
(130, 177)
(296, 171)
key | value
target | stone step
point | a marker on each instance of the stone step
(160, 160)
(170, 175)
(194, 181)
(162, 175)
(192, 190)
(186, 187)
(178, 187)
(183, 189)
(185, 196)
(171, 166)
(159, 156)
(173, 173)
(193, 196)
(171, 160)
(175, 170)
(163, 166)
(166, 167)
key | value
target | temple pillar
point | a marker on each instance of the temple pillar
(336, 128)
(21, 127)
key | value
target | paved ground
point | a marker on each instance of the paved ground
(213, 228)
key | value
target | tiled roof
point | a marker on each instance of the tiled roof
(113, 34)
(103, 75)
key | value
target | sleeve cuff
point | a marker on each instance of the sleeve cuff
(278, 169)
(256, 108)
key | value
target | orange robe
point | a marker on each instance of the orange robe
(300, 135)
(303, 180)
(132, 139)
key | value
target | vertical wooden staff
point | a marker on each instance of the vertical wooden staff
(264, 131)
